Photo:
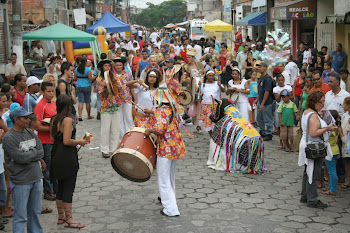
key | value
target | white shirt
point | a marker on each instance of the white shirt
(306, 55)
(242, 98)
(130, 46)
(206, 50)
(209, 90)
(287, 79)
(241, 57)
(177, 49)
(279, 89)
(292, 69)
(198, 48)
(342, 85)
(335, 102)
(158, 44)
(153, 37)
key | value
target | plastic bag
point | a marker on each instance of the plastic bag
(192, 111)
(94, 100)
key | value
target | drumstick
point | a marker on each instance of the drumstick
(137, 106)
(145, 86)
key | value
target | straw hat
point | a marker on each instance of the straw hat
(191, 52)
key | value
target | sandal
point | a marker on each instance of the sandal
(74, 225)
(329, 192)
(106, 156)
(324, 189)
(345, 186)
(90, 117)
(288, 149)
(60, 221)
(280, 148)
(319, 186)
(46, 211)
(80, 119)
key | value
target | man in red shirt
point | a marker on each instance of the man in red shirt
(318, 82)
(237, 44)
(183, 53)
(46, 109)
(223, 56)
(238, 34)
(141, 42)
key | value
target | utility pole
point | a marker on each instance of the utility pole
(17, 46)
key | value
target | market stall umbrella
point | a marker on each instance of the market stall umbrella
(110, 23)
(63, 32)
(218, 25)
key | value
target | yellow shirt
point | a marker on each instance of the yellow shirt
(333, 142)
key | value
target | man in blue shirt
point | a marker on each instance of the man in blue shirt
(339, 58)
(264, 112)
(30, 100)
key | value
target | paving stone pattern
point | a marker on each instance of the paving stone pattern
(209, 200)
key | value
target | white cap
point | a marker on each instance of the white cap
(253, 45)
(33, 80)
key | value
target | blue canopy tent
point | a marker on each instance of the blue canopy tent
(110, 23)
(254, 19)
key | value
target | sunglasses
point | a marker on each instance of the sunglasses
(316, 79)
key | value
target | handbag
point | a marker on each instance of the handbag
(317, 150)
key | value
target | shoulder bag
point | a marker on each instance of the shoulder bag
(314, 151)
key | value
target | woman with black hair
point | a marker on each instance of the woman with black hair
(145, 100)
(84, 78)
(20, 87)
(64, 161)
(53, 67)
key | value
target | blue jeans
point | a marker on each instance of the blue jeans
(98, 105)
(332, 171)
(27, 203)
(265, 119)
(48, 186)
(3, 189)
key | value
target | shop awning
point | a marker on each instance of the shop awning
(254, 19)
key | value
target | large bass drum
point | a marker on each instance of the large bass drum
(135, 157)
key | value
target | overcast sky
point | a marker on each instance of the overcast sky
(142, 3)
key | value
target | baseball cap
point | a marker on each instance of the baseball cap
(33, 80)
(262, 64)
(343, 71)
(285, 93)
(253, 45)
(19, 112)
(277, 70)
(170, 60)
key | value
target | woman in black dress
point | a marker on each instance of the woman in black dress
(64, 161)
(249, 64)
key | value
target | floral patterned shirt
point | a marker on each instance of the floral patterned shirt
(170, 144)
(175, 89)
(125, 94)
(107, 100)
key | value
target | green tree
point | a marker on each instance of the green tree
(172, 11)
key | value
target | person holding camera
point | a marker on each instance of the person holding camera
(315, 135)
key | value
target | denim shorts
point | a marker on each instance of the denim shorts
(84, 94)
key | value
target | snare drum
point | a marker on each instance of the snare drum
(136, 156)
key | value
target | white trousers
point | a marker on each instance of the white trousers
(166, 184)
(126, 120)
(109, 132)
(243, 109)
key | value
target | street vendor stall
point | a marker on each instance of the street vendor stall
(61, 32)
(220, 29)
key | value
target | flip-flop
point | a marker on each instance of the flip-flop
(60, 223)
(345, 186)
(74, 225)
(280, 148)
(46, 211)
(329, 192)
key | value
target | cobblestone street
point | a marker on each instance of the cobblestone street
(209, 200)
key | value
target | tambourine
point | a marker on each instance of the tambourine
(112, 86)
(188, 99)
